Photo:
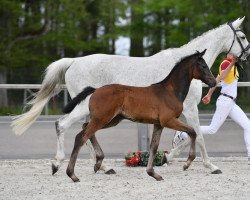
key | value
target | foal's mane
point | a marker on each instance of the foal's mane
(177, 65)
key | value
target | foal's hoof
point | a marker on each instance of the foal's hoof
(54, 168)
(72, 176)
(217, 171)
(111, 171)
(75, 179)
(159, 179)
(96, 168)
(185, 167)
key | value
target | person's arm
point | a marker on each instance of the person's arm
(223, 74)
(207, 98)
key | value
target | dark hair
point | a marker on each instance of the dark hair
(240, 70)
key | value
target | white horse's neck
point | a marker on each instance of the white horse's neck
(214, 41)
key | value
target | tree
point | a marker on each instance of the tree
(35, 33)
(136, 28)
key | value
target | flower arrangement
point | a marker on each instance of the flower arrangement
(139, 158)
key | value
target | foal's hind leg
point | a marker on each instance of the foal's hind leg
(81, 111)
(153, 149)
(116, 120)
(80, 140)
(98, 151)
(99, 157)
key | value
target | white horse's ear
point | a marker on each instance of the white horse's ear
(243, 18)
(238, 22)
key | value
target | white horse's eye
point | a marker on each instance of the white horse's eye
(243, 37)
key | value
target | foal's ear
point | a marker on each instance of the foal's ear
(203, 52)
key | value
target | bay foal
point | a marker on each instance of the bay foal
(160, 104)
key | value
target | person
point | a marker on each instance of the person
(225, 104)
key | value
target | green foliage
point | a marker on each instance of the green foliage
(144, 156)
(10, 111)
(83, 27)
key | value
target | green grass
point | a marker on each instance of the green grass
(8, 111)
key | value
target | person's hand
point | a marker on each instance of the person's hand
(206, 99)
(234, 59)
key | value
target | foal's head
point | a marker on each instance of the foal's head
(201, 71)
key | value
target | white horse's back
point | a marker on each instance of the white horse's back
(101, 69)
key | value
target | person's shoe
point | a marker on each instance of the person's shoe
(179, 138)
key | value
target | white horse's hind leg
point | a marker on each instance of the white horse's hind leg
(80, 112)
(177, 150)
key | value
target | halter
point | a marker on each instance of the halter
(238, 39)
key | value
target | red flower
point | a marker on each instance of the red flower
(133, 160)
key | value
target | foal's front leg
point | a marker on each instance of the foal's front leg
(191, 115)
(176, 124)
(153, 149)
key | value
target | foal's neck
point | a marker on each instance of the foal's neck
(179, 79)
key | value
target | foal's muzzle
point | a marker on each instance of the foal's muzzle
(211, 82)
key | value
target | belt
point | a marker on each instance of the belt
(226, 95)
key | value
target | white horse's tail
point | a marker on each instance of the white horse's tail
(54, 76)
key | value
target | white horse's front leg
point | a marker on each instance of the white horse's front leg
(206, 161)
(192, 118)
(191, 115)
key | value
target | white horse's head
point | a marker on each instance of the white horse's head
(237, 43)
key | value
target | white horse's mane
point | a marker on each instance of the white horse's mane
(203, 34)
(195, 39)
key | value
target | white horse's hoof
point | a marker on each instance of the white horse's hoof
(110, 171)
(55, 168)
(217, 171)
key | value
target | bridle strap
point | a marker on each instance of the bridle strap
(238, 39)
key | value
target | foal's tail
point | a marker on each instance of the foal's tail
(54, 76)
(80, 97)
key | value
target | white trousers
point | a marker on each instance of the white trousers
(227, 107)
